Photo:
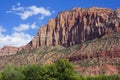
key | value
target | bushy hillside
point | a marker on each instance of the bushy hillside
(60, 70)
(87, 56)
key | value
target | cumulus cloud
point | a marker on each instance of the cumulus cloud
(18, 4)
(33, 26)
(16, 39)
(24, 27)
(41, 18)
(2, 29)
(17, 8)
(26, 12)
(34, 10)
(39, 10)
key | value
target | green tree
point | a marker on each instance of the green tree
(10, 73)
(1, 76)
(31, 72)
(66, 70)
(61, 70)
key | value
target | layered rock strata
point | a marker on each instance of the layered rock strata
(76, 26)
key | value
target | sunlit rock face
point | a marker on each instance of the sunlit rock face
(76, 26)
(73, 27)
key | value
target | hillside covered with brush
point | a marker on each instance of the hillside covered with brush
(87, 37)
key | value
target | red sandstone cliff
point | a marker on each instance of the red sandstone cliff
(100, 56)
(76, 26)
(73, 27)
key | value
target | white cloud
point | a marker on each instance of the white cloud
(41, 18)
(17, 8)
(33, 10)
(2, 29)
(26, 12)
(33, 26)
(39, 10)
(18, 4)
(17, 39)
(53, 11)
(8, 11)
(25, 15)
(24, 27)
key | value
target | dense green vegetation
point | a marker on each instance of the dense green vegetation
(60, 70)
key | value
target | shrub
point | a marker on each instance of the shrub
(114, 77)
(1, 76)
(65, 70)
(10, 73)
(31, 72)
(102, 77)
(60, 70)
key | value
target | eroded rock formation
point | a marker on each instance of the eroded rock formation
(76, 26)
(73, 27)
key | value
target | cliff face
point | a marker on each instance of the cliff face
(94, 57)
(73, 27)
(76, 26)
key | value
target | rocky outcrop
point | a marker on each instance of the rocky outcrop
(106, 69)
(76, 26)
(89, 58)
(106, 54)
(8, 50)
(73, 27)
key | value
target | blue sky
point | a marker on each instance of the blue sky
(20, 19)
